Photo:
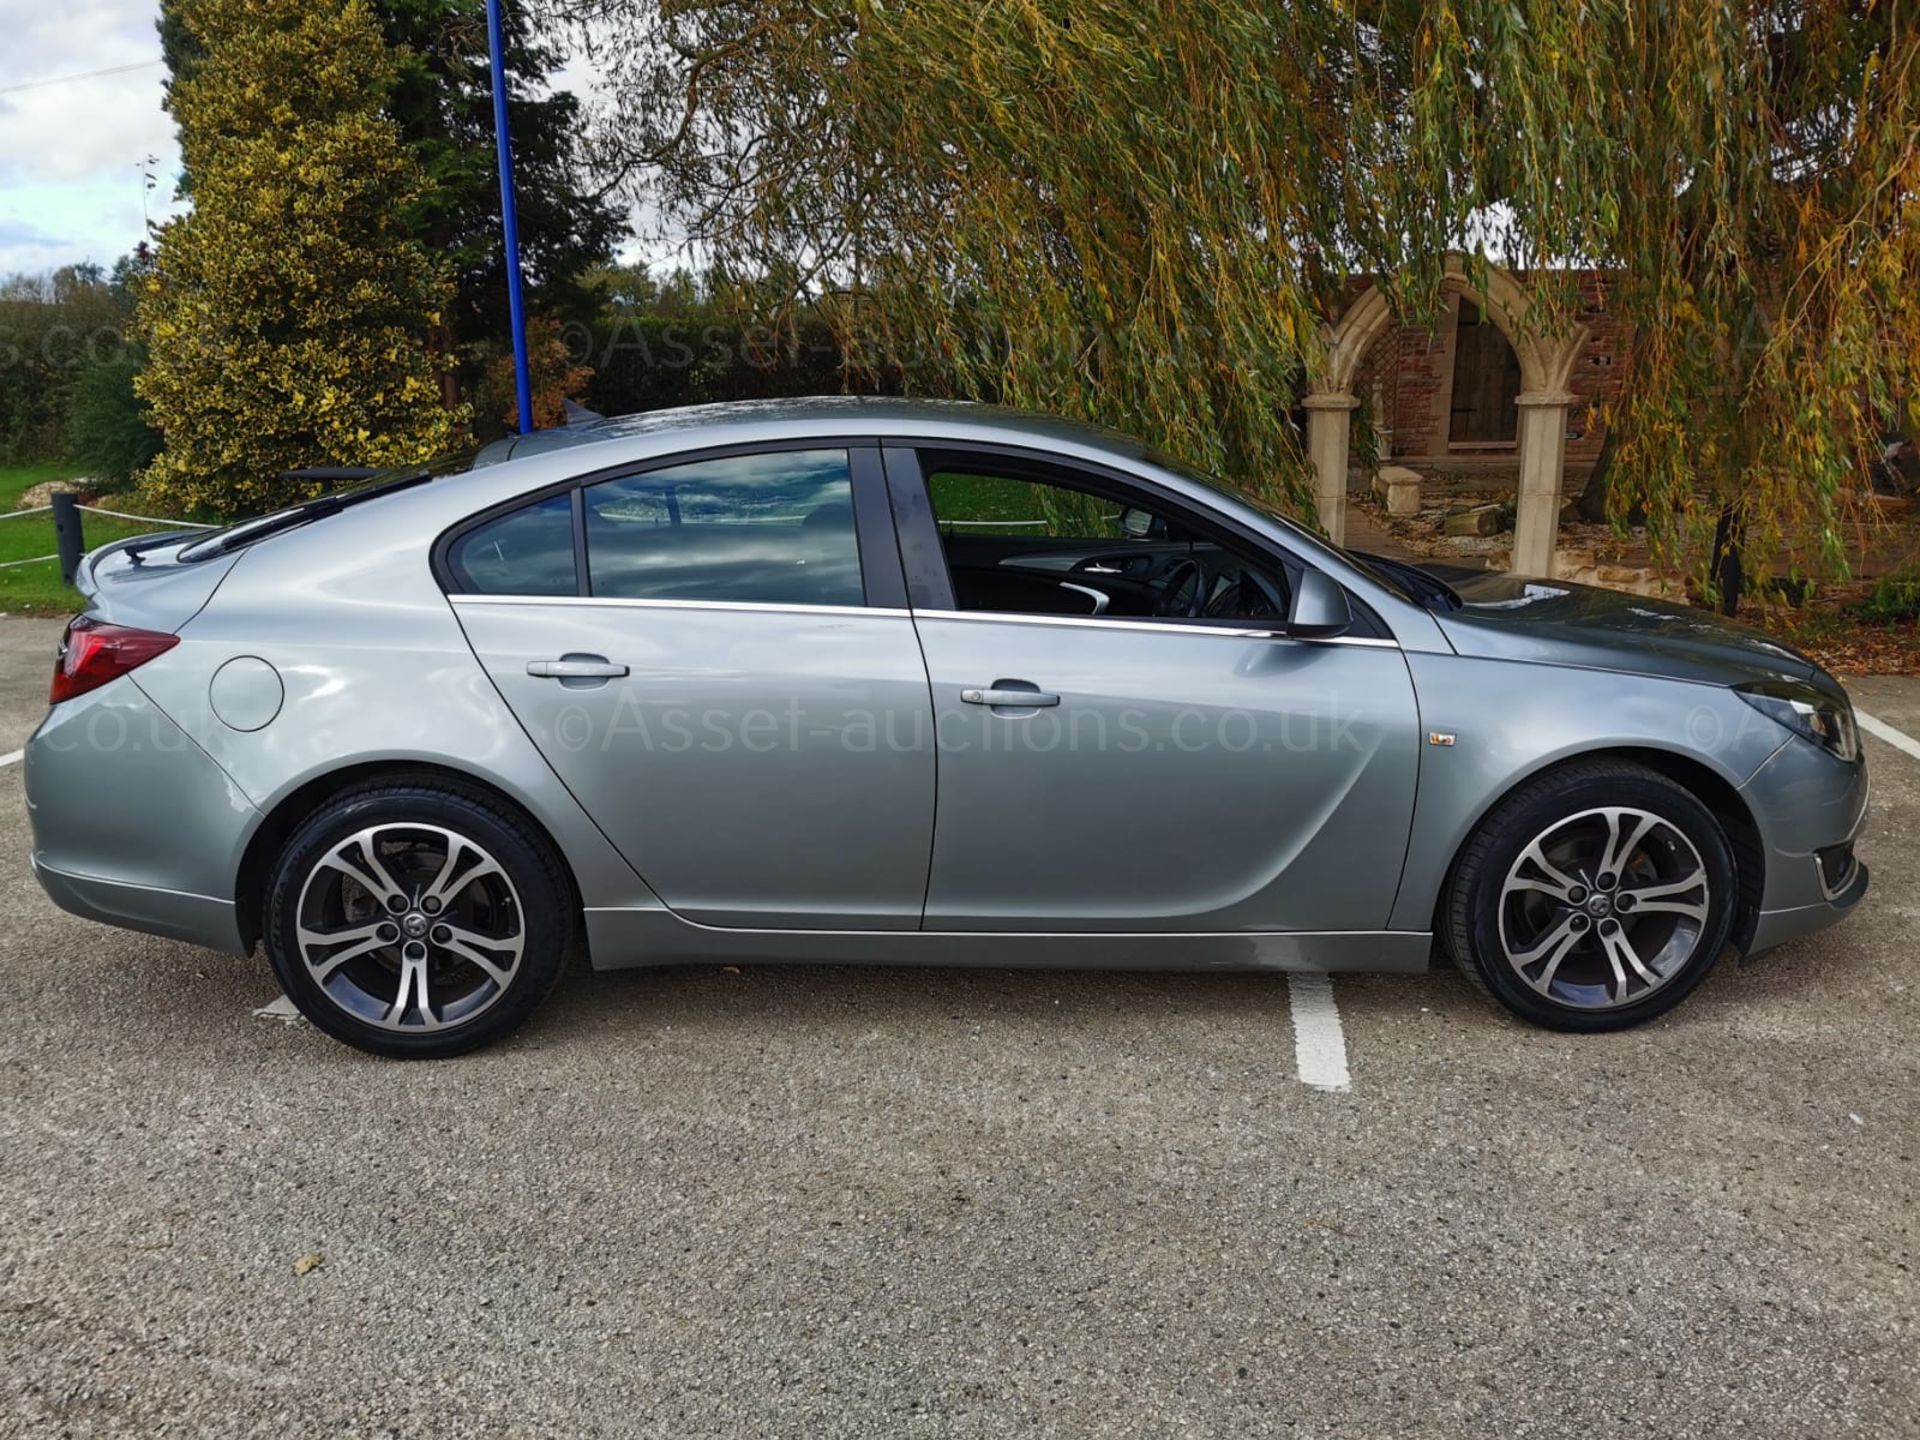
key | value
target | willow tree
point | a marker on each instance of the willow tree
(1145, 211)
(286, 314)
(1763, 221)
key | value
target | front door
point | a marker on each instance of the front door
(1122, 745)
(716, 659)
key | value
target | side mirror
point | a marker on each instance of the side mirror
(1319, 606)
(1138, 524)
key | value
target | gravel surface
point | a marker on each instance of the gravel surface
(899, 1203)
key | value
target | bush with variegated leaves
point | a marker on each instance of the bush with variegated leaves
(287, 314)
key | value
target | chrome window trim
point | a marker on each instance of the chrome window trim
(975, 617)
(1157, 627)
(615, 602)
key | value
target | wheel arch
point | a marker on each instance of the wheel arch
(293, 808)
(1702, 781)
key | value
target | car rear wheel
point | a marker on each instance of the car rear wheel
(417, 920)
(1594, 898)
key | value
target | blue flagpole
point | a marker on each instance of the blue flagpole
(509, 221)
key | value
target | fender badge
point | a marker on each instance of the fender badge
(1440, 737)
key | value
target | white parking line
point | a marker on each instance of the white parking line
(1899, 739)
(1319, 1046)
(12, 757)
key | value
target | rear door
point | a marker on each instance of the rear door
(715, 655)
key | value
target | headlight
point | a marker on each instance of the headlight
(1807, 712)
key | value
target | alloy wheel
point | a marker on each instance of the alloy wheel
(410, 928)
(1604, 908)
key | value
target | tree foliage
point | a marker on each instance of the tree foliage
(53, 328)
(555, 375)
(443, 104)
(108, 430)
(441, 97)
(690, 340)
(286, 313)
(1145, 212)
(1765, 225)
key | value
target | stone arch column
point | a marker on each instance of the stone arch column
(1330, 404)
(1546, 369)
(1543, 469)
(1329, 443)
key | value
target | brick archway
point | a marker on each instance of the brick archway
(1546, 369)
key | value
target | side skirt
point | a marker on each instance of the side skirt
(629, 939)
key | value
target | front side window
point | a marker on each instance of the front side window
(986, 504)
(528, 551)
(774, 528)
(1025, 540)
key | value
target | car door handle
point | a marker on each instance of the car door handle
(576, 667)
(1020, 699)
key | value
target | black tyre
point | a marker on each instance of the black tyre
(1594, 898)
(417, 918)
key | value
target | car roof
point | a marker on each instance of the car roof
(834, 413)
(390, 529)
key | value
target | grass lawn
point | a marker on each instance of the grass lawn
(14, 479)
(36, 589)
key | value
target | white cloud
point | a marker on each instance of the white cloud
(72, 153)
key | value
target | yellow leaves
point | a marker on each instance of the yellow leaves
(269, 319)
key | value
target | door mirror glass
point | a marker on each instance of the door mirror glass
(1142, 524)
(1319, 606)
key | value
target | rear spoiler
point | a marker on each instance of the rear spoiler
(83, 577)
(329, 476)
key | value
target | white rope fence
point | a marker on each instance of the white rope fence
(93, 510)
(147, 519)
(116, 514)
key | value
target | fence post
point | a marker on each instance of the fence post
(66, 533)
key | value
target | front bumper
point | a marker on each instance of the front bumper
(1808, 807)
(1777, 927)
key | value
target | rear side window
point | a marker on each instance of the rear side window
(528, 551)
(772, 528)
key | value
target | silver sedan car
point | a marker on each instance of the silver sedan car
(893, 683)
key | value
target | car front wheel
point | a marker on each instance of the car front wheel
(1593, 898)
(417, 920)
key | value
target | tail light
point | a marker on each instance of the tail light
(94, 652)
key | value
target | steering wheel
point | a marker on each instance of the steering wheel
(1180, 575)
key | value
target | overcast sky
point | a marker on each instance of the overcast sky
(72, 153)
